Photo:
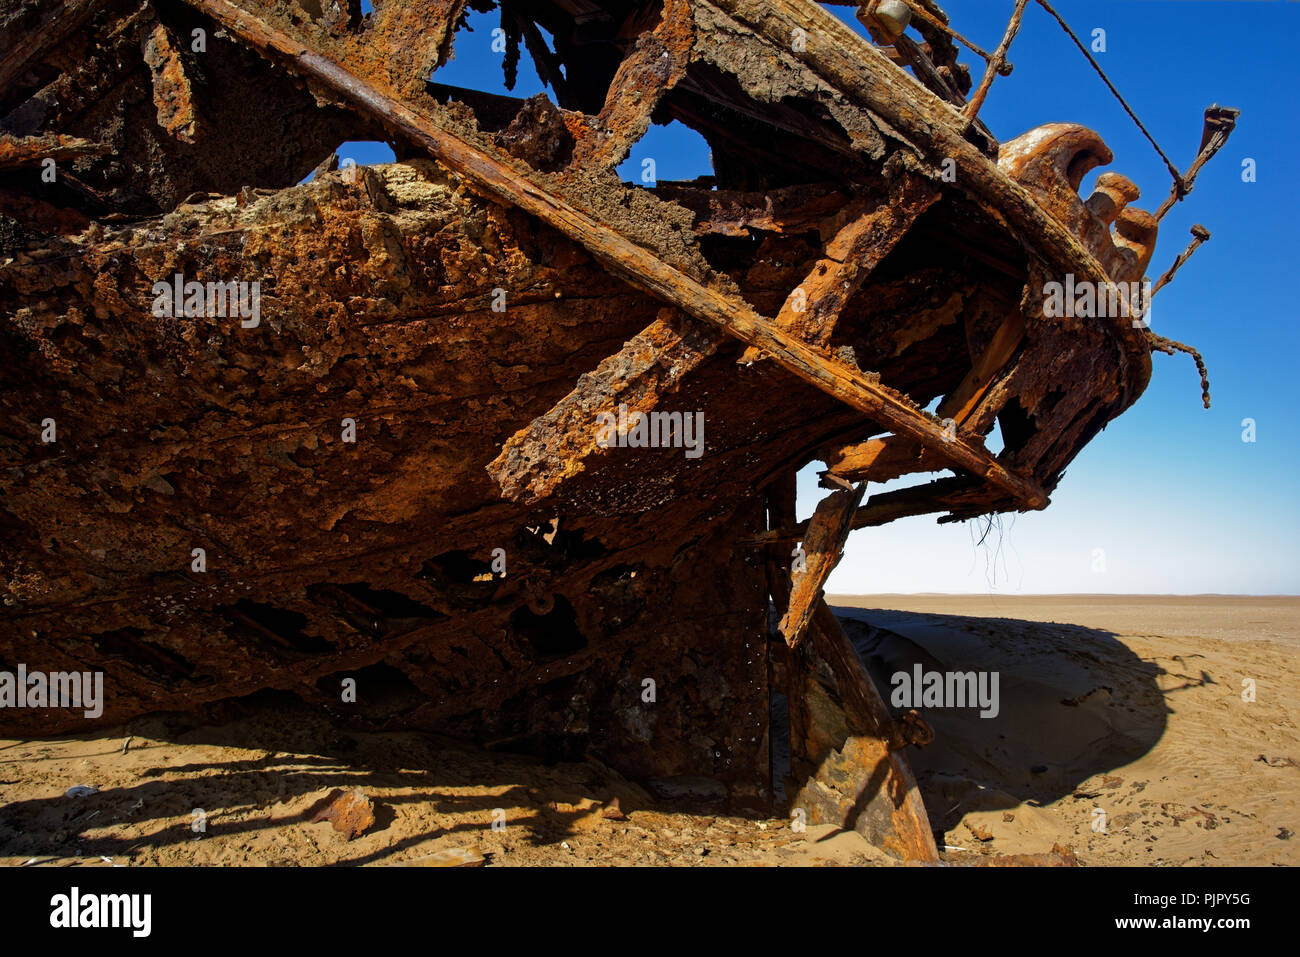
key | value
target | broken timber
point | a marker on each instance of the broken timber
(848, 772)
(828, 530)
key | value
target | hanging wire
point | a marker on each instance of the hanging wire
(1179, 184)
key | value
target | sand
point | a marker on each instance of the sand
(1121, 731)
(1127, 705)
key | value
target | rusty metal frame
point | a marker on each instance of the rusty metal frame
(640, 267)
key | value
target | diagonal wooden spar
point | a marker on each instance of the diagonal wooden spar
(814, 308)
(865, 783)
(828, 530)
(635, 264)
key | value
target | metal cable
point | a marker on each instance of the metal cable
(1173, 170)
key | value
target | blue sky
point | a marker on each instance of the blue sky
(1169, 493)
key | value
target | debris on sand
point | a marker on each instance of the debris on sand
(352, 813)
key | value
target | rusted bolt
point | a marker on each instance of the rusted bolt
(541, 603)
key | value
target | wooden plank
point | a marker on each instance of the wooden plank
(828, 530)
(814, 306)
(941, 495)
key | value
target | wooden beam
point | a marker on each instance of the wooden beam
(880, 460)
(554, 446)
(828, 530)
(813, 307)
(941, 495)
(995, 63)
(655, 64)
(19, 151)
(925, 71)
(962, 401)
(865, 783)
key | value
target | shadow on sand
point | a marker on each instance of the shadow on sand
(1072, 704)
(445, 788)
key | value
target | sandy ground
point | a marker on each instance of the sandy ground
(1121, 731)
(436, 802)
(1131, 706)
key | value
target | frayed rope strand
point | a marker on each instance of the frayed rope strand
(1169, 347)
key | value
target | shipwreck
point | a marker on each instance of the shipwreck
(428, 425)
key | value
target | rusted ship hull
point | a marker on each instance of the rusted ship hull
(396, 473)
